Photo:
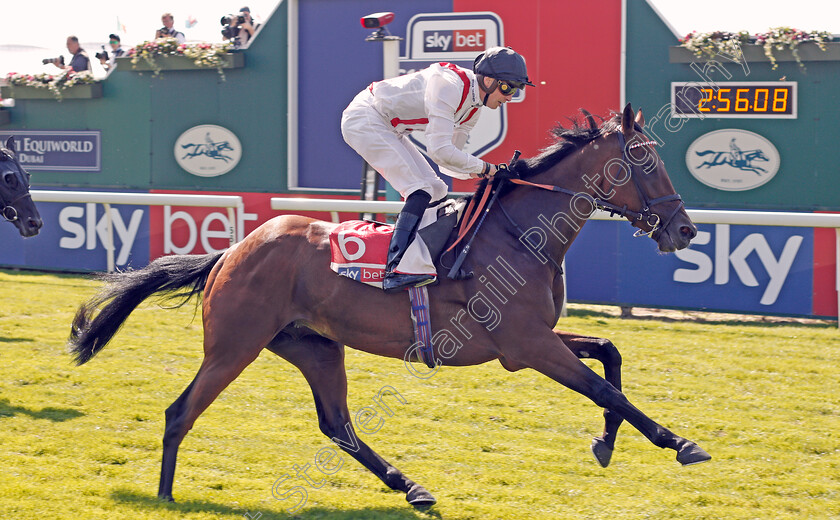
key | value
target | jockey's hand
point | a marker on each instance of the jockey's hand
(490, 170)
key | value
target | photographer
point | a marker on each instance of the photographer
(108, 62)
(80, 61)
(239, 28)
(168, 31)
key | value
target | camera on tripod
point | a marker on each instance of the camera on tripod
(229, 18)
(230, 25)
(57, 61)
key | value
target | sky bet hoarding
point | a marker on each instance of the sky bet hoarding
(752, 269)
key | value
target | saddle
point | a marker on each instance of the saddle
(359, 248)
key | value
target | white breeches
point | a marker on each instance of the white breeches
(389, 153)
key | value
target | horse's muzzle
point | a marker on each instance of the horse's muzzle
(677, 234)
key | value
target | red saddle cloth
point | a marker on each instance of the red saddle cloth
(359, 250)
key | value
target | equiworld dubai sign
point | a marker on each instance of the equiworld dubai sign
(57, 150)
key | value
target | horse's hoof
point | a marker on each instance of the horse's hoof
(602, 452)
(691, 453)
(418, 497)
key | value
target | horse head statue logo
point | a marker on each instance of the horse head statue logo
(735, 158)
(732, 159)
(208, 150)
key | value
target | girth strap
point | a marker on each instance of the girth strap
(420, 317)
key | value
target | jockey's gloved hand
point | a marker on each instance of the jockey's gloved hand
(504, 172)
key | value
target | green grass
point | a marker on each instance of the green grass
(84, 443)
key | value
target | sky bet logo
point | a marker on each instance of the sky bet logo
(454, 41)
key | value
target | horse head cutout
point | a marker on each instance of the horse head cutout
(17, 205)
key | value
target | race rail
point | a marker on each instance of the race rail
(231, 202)
(699, 216)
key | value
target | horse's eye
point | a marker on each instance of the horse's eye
(9, 179)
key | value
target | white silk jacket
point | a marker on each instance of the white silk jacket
(444, 101)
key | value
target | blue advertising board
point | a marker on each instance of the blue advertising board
(57, 150)
(74, 236)
(752, 269)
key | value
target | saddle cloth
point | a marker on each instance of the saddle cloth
(359, 248)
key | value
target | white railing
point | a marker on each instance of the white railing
(231, 202)
(699, 216)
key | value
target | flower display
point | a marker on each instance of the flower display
(210, 55)
(780, 38)
(708, 44)
(56, 83)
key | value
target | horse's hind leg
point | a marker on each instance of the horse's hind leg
(588, 347)
(321, 361)
(217, 371)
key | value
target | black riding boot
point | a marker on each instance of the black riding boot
(404, 231)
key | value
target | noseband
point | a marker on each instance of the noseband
(646, 215)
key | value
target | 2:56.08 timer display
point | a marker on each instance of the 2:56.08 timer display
(753, 99)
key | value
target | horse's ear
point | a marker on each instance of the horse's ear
(10, 143)
(640, 118)
(627, 121)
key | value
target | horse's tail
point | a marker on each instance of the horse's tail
(706, 152)
(124, 291)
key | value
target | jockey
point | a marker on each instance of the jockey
(442, 100)
(735, 153)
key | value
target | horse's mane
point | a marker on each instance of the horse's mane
(566, 141)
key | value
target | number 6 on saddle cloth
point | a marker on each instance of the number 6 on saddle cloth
(359, 248)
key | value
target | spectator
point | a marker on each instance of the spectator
(168, 31)
(80, 61)
(239, 32)
(109, 60)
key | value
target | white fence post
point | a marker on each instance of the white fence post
(699, 216)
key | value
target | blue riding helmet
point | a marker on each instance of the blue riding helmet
(503, 63)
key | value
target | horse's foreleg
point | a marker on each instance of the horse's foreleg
(548, 354)
(588, 347)
(321, 361)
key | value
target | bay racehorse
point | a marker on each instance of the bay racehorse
(18, 207)
(274, 290)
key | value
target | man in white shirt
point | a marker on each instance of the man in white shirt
(168, 31)
(444, 101)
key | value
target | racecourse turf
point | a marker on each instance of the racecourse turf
(85, 442)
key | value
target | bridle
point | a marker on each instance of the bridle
(645, 215)
(8, 210)
(505, 174)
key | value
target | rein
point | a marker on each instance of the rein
(645, 215)
(473, 210)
